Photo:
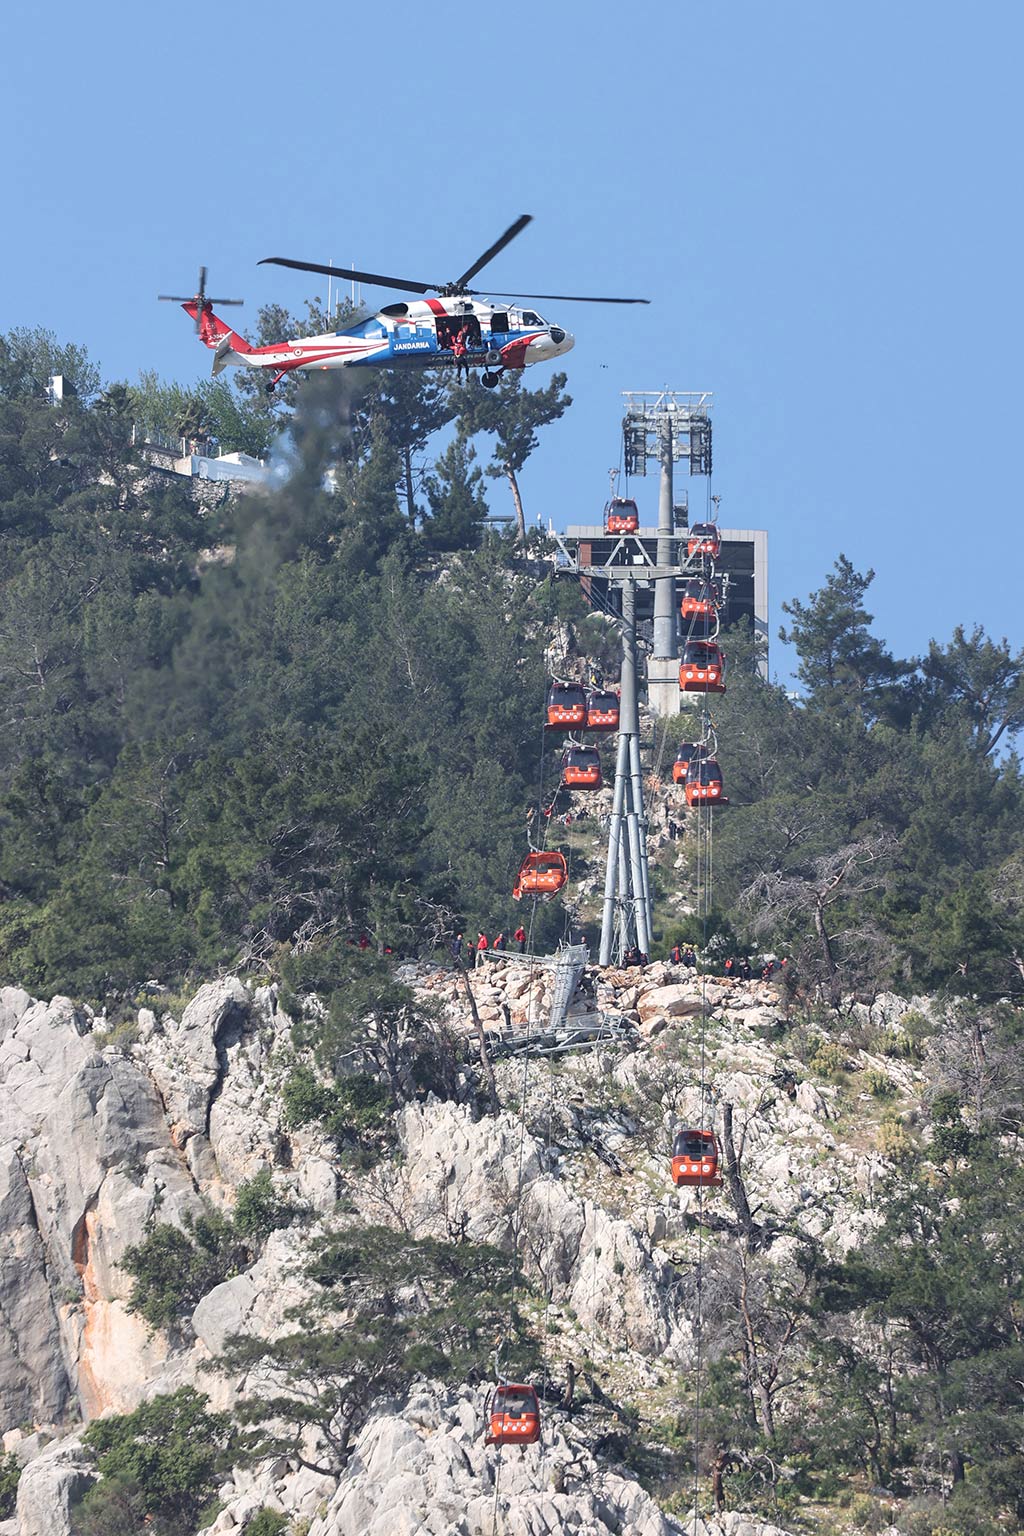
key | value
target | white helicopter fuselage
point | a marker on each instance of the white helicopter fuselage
(433, 333)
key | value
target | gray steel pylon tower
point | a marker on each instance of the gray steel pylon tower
(626, 884)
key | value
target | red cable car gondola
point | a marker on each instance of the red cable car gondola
(621, 515)
(695, 1159)
(581, 768)
(567, 705)
(602, 710)
(689, 752)
(702, 669)
(704, 540)
(540, 874)
(701, 599)
(513, 1417)
(704, 784)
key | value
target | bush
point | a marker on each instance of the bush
(305, 1098)
(893, 1140)
(10, 1471)
(867, 1514)
(267, 1522)
(259, 1210)
(879, 1084)
(173, 1269)
(362, 1106)
(356, 1112)
(160, 1466)
(829, 1059)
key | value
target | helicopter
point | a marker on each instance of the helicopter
(457, 330)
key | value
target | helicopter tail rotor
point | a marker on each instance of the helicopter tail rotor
(203, 304)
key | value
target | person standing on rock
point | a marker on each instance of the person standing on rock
(481, 947)
(689, 957)
(677, 955)
(745, 970)
(499, 942)
(457, 948)
(520, 938)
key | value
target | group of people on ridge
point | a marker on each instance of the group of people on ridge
(483, 944)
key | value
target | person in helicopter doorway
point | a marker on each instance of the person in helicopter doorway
(460, 342)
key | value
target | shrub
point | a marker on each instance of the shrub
(259, 1210)
(305, 1098)
(10, 1471)
(173, 1269)
(160, 1466)
(829, 1059)
(267, 1522)
(893, 1139)
(879, 1084)
(867, 1514)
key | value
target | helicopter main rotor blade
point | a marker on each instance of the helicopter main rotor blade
(351, 275)
(573, 298)
(492, 251)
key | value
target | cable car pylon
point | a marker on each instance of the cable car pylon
(627, 884)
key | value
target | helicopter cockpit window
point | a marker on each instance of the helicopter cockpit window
(530, 318)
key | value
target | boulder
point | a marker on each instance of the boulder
(49, 1487)
(675, 1002)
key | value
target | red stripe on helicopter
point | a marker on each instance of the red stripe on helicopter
(513, 354)
(435, 306)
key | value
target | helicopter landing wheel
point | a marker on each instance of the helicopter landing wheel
(269, 388)
(489, 380)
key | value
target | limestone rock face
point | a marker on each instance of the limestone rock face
(34, 1384)
(49, 1486)
(680, 1000)
(195, 1060)
(106, 1131)
(425, 1468)
(95, 1162)
(457, 1171)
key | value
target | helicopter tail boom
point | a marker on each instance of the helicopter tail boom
(213, 332)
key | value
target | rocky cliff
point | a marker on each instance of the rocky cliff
(108, 1129)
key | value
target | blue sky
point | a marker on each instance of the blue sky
(822, 201)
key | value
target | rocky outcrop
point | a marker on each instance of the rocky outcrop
(463, 1177)
(49, 1487)
(424, 1468)
(108, 1129)
(105, 1139)
(34, 1385)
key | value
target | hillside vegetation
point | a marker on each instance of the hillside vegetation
(246, 1212)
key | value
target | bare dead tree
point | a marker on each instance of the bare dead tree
(753, 1234)
(977, 1056)
(809, 895)
(486, 1065)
